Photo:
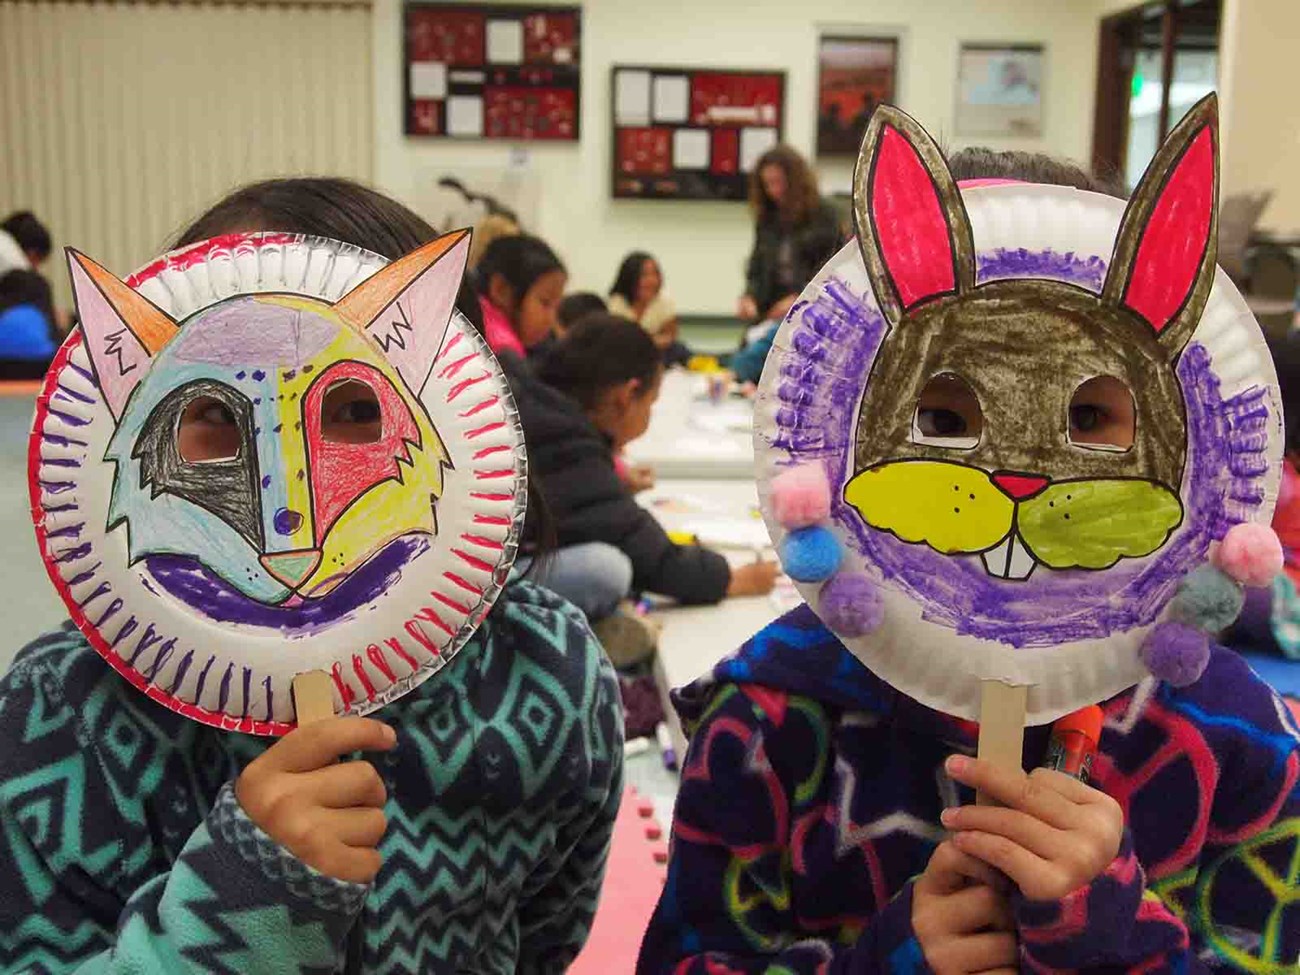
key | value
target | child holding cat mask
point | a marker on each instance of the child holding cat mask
(473, 834)
(957, 499)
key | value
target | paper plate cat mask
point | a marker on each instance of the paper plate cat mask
(270, 454)
(1005, 429)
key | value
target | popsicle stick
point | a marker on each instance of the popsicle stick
(313, 696)
(1002, 727)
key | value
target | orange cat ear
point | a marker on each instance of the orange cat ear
(1163, 265)
(406, 306)
(913, 231)
(122, 329)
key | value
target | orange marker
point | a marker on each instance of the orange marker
(1074, 742)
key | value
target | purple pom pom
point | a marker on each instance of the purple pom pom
(1176, 653)
(850, 605)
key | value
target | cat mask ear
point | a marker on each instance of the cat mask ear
(912, 227)
(407, 305)
(1163, 265)
(122, 329)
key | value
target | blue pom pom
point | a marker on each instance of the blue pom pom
(1208, 600)
(811, 554)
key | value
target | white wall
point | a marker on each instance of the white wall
(702, 246)
(1259, 111)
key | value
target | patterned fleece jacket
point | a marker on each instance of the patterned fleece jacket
(123, 848)
(811, 796)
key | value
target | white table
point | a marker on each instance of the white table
(689, 437)
(695, 638)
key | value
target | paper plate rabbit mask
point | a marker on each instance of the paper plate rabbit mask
(1004, 426)
(267, 454)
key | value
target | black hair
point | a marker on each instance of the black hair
(520, 259)
(1286, 359)
(345, 210)
(629, 275)
(978, 162)
(577, 306)
(598, 353)
(340, 209)
(24, 288)
(30, 233)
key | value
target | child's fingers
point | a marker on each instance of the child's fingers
(976, 908)
(345, 785)
(980, 952)
(354, 864)
(950, 870)
(1027, 870)
(1067, 786)
(1014, 788)
(1022, 828)
(317, 745)
(356, 827)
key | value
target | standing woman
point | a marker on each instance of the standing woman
(795, 233)
(638, 294)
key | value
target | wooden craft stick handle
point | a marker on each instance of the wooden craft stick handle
(313, 696)
(1002, 727)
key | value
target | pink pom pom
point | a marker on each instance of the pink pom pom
(801, 496)
(1250, 553)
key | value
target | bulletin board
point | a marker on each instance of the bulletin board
(480, 71)
(691, 133)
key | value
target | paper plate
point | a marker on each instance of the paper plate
(211, 585)
(1071, 633)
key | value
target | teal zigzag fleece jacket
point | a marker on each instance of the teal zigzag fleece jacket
(123, 848)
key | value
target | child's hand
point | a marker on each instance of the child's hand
(1052, 834)
(961, 917)
(753, 579)
(640, 478)
(326, 813)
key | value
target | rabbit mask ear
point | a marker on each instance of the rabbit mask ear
(912, 227)
(1163, 266)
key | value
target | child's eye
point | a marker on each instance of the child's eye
(1086, 418)
(1102, 415)
(947, 414)
(350, 413)
(208, 432)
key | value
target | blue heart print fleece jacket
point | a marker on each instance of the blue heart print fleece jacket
(811, 795)
(123, 848)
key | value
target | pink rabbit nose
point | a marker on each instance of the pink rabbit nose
(1017, 486)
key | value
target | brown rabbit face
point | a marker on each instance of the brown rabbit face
(1028, 421)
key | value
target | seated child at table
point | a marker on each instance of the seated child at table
(638, 294)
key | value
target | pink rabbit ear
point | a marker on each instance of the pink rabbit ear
(1163, 266)
(912, 227)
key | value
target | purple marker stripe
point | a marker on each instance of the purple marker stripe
(164, 652)
(51, 508)
(60, 462)
(59, 440)
(224, 694)
(270, 698)
(127, 629)
(248, 680)
(182, 669)
(147, 639)
(56, 487)
(203, 678)
(73, 394)
(113, 608)
(100, 590)
(68, 531)
(68, 418)
(85, 576)
(83, 373)
(74, 554)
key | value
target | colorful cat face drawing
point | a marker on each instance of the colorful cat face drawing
(1018, 490)
(291, 513)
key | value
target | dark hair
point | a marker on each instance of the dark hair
(340, 209)
(978, 162)
(599, 352)
(520, 260)
(1286, 359)
(801, 194)
(29, 232)
(629, 274)
(577, 306)
(24, 288)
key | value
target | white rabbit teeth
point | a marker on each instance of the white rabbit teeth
(1010, 560)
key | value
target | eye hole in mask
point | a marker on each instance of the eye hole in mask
(208, 432)
(1102, 415)
(947, 414)
(350, 413)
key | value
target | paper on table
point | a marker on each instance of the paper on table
(747, 533)
(428, 79)
(465, 115)
(672, 98)
(724, 418)
(690, 149)
(753, 143)
(632, 97)
(505, 42)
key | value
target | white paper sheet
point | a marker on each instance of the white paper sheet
(465, 115)
(672, 98)
(632, 97)
(428, 79)
(753, 143)
(505, 42)
(690, 149)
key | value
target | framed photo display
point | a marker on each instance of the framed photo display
(1000, 90)
(691, 133)
(854, 75)
(480, 71)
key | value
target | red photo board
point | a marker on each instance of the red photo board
(691, 133)
(492, 71)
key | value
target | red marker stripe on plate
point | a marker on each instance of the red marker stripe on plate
(486, 404)
(428, 614)
(465, 384)
(494, 475)
(482, 542)
(499, 520)
(448, 601)
(473, 560)
(455, 367)
(485, 496)
(376, 654)
(479, 431)
(451, 344)
(395, 645)
(345, 692)
(359, 668)
(463, 583)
